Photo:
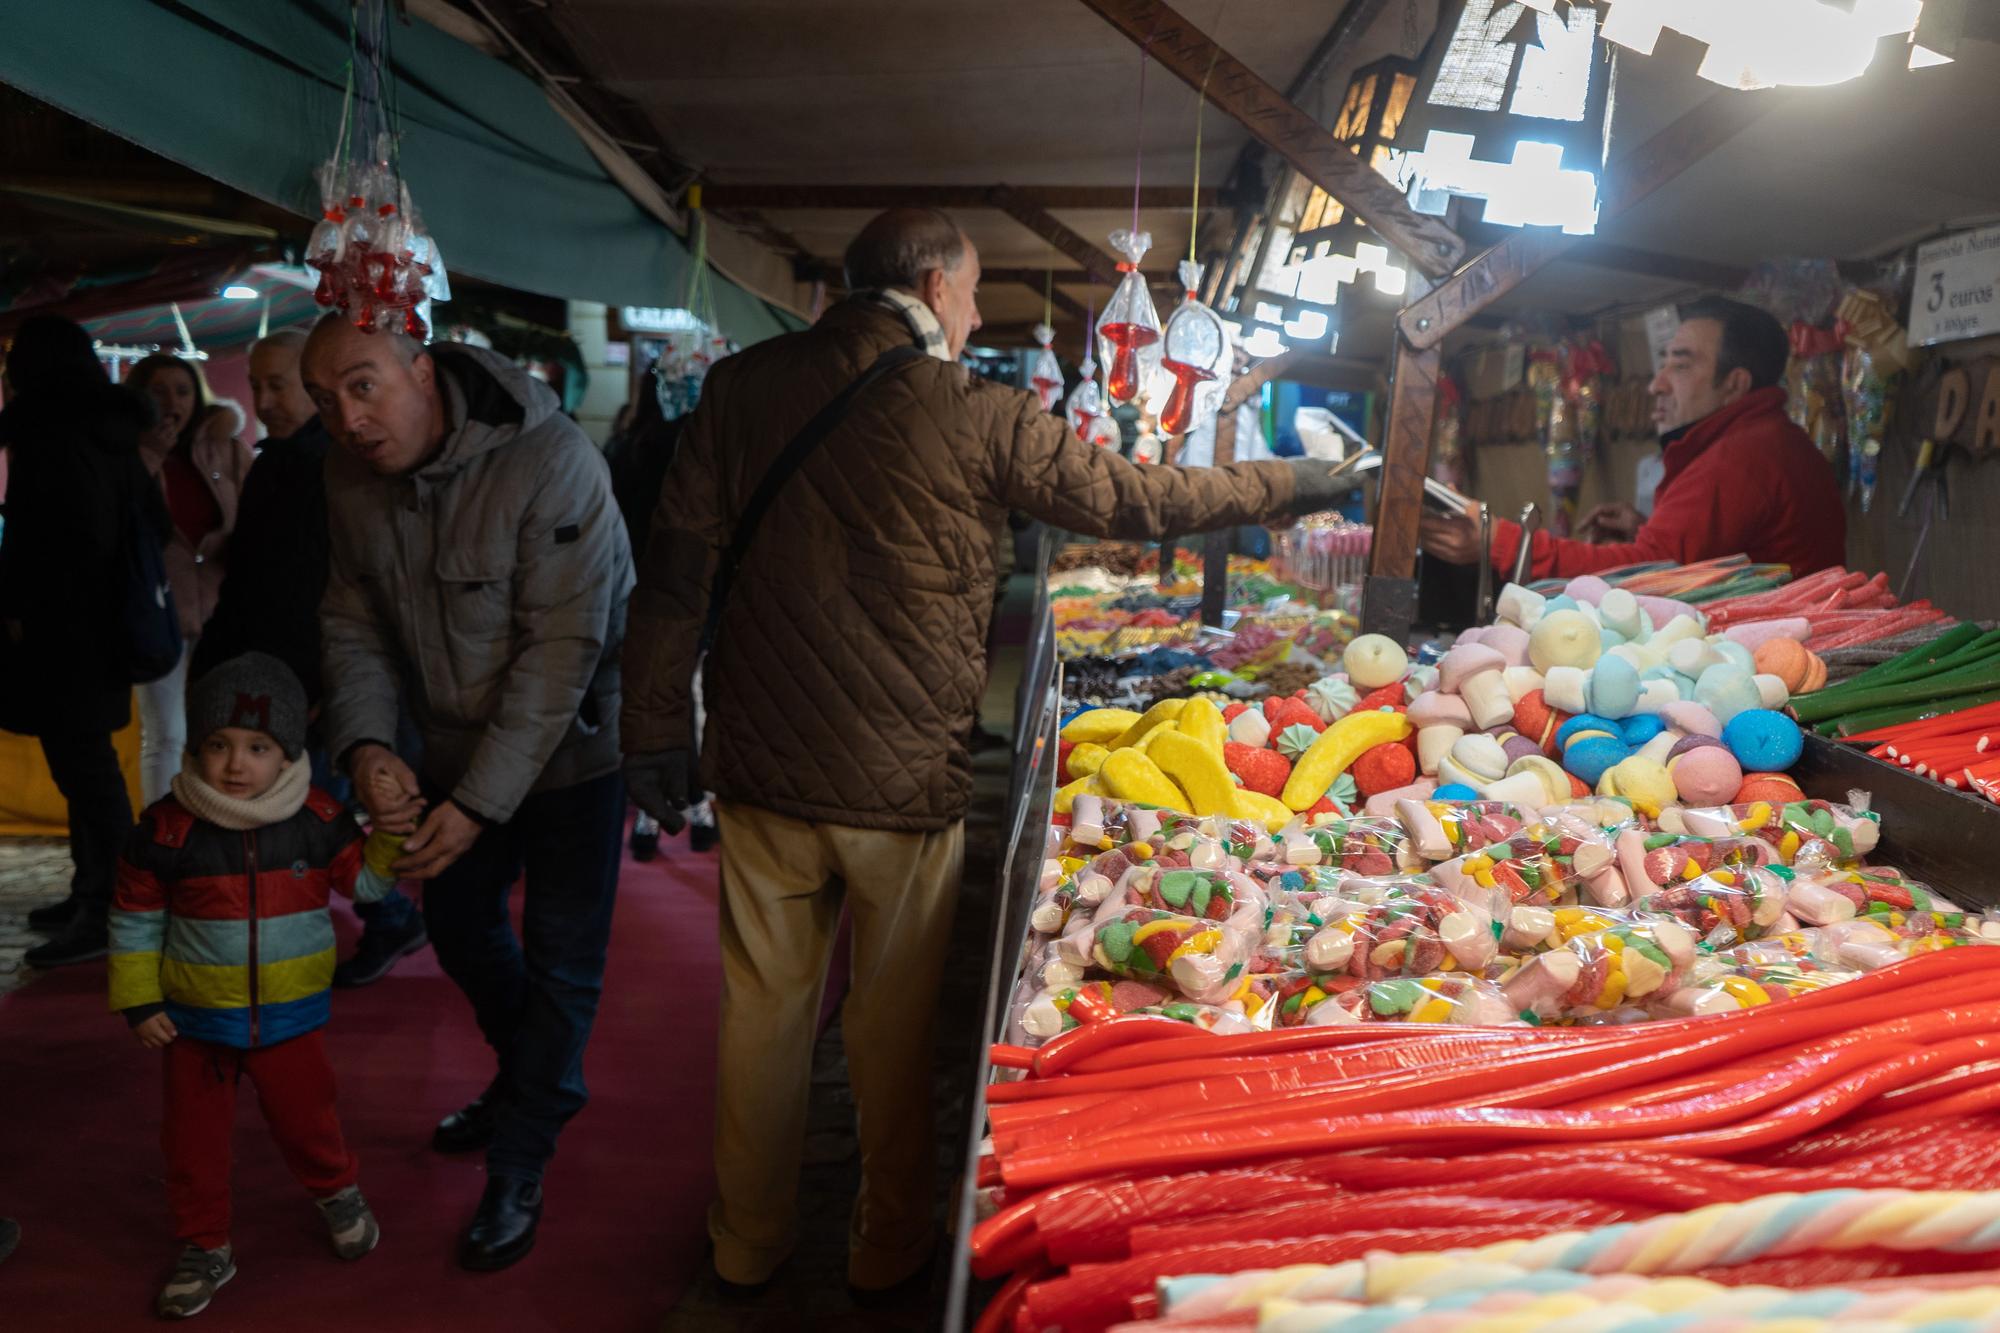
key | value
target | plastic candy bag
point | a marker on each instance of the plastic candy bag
(1597, 972)
(1357, 844)
(1726, 907)
(1466, 1001)
(1045, 372)
(1194, 350)
(1087, 412)
(1807, 835)
(1650, 862)
(1417, 930)
(1128, 332)
(1444, 829)
(1199, 956)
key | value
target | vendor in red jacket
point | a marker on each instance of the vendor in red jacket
(1739, 478)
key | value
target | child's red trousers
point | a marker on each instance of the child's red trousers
(295, 1090)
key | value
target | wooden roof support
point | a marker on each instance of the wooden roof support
(1098, 198)
(1235, 88)
(1390, 600)
(1097, 265)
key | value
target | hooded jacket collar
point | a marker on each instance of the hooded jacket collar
(489, 403)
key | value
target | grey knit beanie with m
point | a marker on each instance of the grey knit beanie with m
(255, 691)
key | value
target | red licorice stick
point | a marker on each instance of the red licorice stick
(1738, 1115)
(1056, 1058)
(1625, 1058)
(1980, 715)
(998, 1316)
(1111, 1032)
(1315, 1218)
(1012, 1057)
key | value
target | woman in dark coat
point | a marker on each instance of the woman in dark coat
(74, 481)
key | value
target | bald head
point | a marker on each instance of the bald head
(922, 251)
(277, 393)
(377, 393)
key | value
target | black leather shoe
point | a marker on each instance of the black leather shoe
(83, 939)
(470, 1127)
(503, 1230)
(54, 916)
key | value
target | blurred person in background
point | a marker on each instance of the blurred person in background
(200, 466)
(77, 497)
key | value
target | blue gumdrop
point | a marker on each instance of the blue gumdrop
(1763, 741)
(1562, 601)
(1590, 757)
(1584, 722)
(1609, 638)
(1659, 672)
(1636, 730)
(1614, 687)
(1454, 791)
(1725, 689)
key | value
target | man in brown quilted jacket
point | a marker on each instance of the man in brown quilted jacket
(842, 684)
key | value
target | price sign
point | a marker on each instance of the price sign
(1957, 288)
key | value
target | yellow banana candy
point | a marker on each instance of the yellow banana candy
(1166, 710)
(1101, 725)
(1198, 770)
(1336, 750)
(1086, 759)
(1085, 785)
(1131, 776)
(1258, 808)
(1201, 721)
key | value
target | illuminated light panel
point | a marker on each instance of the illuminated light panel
(1534, 189)
(1922, 57)
(1795, 43)
(1310, 326)
(1265, 342)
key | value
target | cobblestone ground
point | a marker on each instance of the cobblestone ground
(33, 872)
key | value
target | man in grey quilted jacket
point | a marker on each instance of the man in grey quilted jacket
(479, 573)
(841, 688)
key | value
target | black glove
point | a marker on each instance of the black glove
(1314, 487)
(664, 785)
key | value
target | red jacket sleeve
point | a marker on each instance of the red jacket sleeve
(1696, 519)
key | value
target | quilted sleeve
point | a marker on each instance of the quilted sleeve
(671, 601)
(1044, 470)
(138, 927)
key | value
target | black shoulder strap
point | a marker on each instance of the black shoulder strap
(781, 471)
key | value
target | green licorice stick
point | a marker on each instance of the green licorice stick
(1948, 642)
(1846, 724)
(1839, 698)
(1986, 645)
(1981, 675)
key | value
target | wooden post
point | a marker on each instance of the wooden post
(1215, 549)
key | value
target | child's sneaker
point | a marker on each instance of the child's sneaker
(350, 1223)
(194, 1282)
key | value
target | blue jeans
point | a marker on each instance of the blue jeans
(392, 913)
(535, 997)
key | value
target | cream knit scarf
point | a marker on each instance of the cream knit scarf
(286, 797)
(929, 333)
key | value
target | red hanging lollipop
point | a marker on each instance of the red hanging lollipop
(1195, 351)
(1129, 333)
(1046, 373)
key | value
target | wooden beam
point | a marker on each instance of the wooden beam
(1189, 53)
(1645, 169)
(1094, 262)
(1595, 253)
(1406, 459)
(1252, 381)
(1353, 21)
(1099, 198)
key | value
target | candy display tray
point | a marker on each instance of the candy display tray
(1949, 839)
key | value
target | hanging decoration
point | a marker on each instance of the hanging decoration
(377, 264)
(1586, 367)
(1813, 395)
(1128, 334)
(1559, 444)
(1448, 456)
(1871, 374)
(1086, 411)
(1046, 373)
(1516, 112)
(683, 366)
(1194, 350)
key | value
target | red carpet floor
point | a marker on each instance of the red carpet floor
(623, 1233)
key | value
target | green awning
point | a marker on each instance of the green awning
(249, 92)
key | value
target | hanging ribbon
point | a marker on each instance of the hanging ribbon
(1809, 341)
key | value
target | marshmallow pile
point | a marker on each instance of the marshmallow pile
(1598, 690)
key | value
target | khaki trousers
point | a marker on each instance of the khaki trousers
(783, 882)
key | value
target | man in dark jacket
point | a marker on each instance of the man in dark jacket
(270, 599)
(841, 688)
(74, 481)
(479, 575)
